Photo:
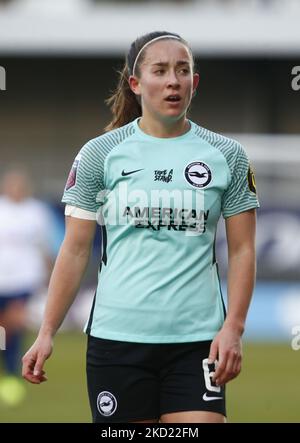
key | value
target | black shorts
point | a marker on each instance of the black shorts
(138, 381)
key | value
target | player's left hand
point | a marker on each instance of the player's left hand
(226, 348)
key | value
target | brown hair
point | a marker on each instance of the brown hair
(123, 103)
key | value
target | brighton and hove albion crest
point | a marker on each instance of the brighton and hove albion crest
(106, 403)
(198, 174)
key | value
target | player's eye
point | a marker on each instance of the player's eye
(184, 70)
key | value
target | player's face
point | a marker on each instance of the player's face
(16, 185)
(166, 82)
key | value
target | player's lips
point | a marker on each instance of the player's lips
(173, 98)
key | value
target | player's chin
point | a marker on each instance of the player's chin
(174, 112)
(178, 108)
(173, 106)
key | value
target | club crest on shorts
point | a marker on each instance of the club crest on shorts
(106, 403)
(73, 173)
(198, 174)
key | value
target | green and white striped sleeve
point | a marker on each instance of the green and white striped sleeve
(84, 182)
(241, 193)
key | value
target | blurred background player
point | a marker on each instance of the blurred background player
(25, 263)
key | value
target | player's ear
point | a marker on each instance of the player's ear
(134, 84)
(195, 82)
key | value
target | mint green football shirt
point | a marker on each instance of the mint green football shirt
(158, 202)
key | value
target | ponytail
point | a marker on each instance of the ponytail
(123, 103)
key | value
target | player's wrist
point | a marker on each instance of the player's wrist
(235, 325)
(47, 331)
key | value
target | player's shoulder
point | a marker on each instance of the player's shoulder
(108, 140)
(225, 144)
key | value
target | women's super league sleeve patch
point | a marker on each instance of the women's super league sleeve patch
(73, 173)
(251, 180)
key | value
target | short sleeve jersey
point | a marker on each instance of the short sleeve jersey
(158, 202)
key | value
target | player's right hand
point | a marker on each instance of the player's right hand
(34, 359)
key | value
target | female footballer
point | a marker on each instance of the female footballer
(161, 346)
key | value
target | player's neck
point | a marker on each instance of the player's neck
(163, 129)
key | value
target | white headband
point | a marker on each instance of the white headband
(148, 43)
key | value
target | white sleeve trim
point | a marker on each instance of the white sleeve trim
(73, 211)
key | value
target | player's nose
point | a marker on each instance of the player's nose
(172, 78)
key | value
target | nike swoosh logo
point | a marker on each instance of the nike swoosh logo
(206, 398)
(130, 172)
